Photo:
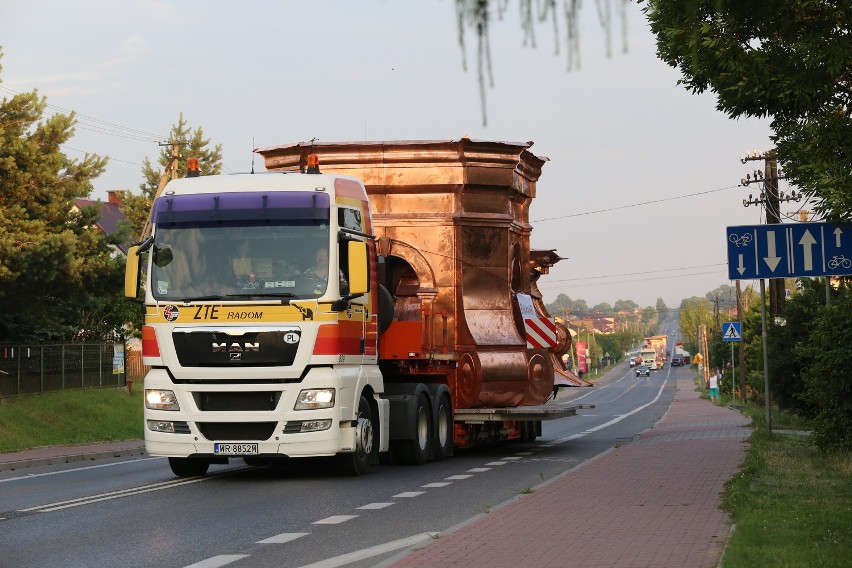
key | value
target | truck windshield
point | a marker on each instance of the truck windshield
(238, 260)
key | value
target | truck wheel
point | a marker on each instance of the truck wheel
(358, 461)
(416, 451)
(444, 430)
(188, 467)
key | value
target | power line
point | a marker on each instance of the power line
(573, 279)
(667, 277)
(101, 126)
(684, 196)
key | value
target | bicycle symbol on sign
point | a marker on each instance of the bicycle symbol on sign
(838, 261)
(740, 240)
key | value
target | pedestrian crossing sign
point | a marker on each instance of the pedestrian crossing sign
(732, 331)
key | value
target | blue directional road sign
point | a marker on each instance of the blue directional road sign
(789, 250)
(732, 331)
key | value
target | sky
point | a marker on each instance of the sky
(642, 177)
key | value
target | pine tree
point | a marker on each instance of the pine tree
(54, 263)
(190, 144)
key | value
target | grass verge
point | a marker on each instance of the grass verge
(69, 417)
(791, 503)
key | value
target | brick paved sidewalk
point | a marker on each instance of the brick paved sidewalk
(653, 503)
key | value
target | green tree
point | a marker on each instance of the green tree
(649, 316)
(56, 269)
(625, 306)
(828, 386)
(662, 309)
(789, 60)
(786, 365)
(694, 312)
(603, 308)
(609, 346)
(726, 295)
(191, 144)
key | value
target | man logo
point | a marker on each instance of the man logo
(236, 347)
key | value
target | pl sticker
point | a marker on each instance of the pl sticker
(171, 313)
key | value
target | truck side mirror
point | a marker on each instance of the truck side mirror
(358, 274)
(131, 273)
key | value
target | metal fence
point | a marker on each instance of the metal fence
(30, 369)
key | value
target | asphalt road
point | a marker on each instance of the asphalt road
(134, 512)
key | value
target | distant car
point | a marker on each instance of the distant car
(643, 370)
(677, 360)
(632, 362)
(686, 359)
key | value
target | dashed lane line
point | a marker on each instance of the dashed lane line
(372, 551)
(335, 520)
(282, 538)
(218, 561)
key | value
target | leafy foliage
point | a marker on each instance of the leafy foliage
(828, 384)
(190, 143)
(694, 312)
(57, 270)
(790, 60)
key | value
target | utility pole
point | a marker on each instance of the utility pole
(169, 173)
(771, 199)
(741, 351)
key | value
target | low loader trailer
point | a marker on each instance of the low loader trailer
(359, 300)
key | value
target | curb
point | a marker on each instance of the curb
(70, 458)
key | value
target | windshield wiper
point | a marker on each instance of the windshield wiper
(283, 295)
(201, 299)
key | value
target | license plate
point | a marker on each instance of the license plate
(234, 449)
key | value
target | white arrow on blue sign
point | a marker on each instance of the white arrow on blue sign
(789, 250)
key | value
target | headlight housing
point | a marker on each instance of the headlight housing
(311, 399)
(156, 399)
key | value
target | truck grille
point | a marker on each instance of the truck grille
(215, 348)
(235, 401)
(236, 431)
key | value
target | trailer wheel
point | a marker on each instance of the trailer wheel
(188, 467)
(416, 451)
(444, 430)
(357, 462)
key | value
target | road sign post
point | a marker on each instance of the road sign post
(732, 332)
(789, 250)
(786, 250)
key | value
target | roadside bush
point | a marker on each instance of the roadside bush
(827, 378)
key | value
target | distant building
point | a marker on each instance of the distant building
(110, 217)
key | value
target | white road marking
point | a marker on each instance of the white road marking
(615, 420)
(458, 477)
(496, 463)
(282, 538)
(351, 557)
(34, 475)
(113, 495)
(335, 520)
(515, 457)
(479, 469)
(374, 506)
(436, 484)
(218, 561)
(410, 494)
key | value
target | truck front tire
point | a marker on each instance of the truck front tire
(358, 462)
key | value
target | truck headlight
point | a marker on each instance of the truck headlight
(156, 399)
(314, 398)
